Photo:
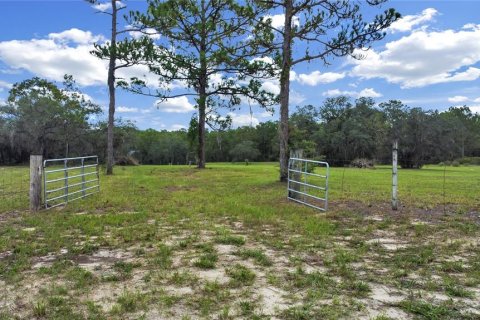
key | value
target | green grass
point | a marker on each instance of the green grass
(240, 275)
(422, 188)
(206, 241)
(257, 255)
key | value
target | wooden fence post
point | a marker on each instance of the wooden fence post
(35, 182)
(394, 175)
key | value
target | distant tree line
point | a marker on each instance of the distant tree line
(41, 118)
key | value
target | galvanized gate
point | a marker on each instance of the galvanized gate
(69, 179)
(308, 182)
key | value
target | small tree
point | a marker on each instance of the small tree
(42, 116)
(115, 51)
(206, 51)
(323, 28)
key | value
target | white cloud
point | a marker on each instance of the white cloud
(240, 120)
(50, 59)
(150, 32)
(76, 36)
(474, 108)
(105, 6)
(337, 92)
(175, 105)
(271, 86)
(122, 109)
(74, 94)
(66, 52)
(458, 99)
(424, 58)
(367, 92)
(477, 100)
(278, 20)
(316, 77)
(265, 114)
(5, 85)
(102, 6)
(407, 23)
(296, 97)
(176, 127)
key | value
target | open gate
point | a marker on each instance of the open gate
(308, 182)
(69, 179)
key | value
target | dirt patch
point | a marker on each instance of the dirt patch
(179, 188)
(213, 275)
(383, 210)
(273, 300)
(101, 258)
(388, 243)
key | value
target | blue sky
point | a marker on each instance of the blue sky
(429, 59)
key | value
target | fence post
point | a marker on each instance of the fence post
(83, 177)
(65, 175)
(394, 175)
(35, 182)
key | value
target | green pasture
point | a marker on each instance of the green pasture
(175, 242)
(429, 187)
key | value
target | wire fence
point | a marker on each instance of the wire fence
(442, 187)
(14, 188)
(434, 187)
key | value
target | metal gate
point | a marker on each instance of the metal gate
(308, 182)
(69, 179)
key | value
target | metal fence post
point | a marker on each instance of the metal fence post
(65, 166)
(83, 177)
(35, 182)
(394, 175)
(98, 176)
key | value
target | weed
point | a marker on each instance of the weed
(40, 309)
(80, 277)
(427, 310)
(163, 257)
(256, 254)
(240, 275)
(224, 236)
(206, 261)
(247, 308)
(131, 301)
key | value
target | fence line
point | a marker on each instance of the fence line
(439, 187)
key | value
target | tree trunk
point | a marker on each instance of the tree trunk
(201, 128)
(111, 90)
(202, 100)
(285, 91)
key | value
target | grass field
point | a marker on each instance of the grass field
(173, 242)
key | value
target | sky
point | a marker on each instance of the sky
(429, 59)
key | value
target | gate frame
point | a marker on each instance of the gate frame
(66, 177)
(304, 170)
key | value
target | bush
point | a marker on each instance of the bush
(455, 163)
(126, 161)
(470, 161)
(362, 163)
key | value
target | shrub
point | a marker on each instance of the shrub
(127, 161)
(362, 163)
